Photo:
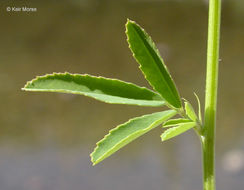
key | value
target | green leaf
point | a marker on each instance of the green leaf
(199, 108)
(151, 63)
(175, 122)
(190, 111)
(174, 131)
(127, 132)
(107, 90)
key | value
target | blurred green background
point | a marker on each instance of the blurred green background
(46, 139)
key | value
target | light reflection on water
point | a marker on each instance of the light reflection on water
(46, 138)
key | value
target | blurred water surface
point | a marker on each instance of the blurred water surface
(46, 139)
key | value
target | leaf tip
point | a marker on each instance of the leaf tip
(92, 158)
(129, 24)
(27, 85)
(95, 160)
(129, 21)
(163, 137)
(24, 89)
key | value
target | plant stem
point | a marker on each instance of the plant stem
(208, 135)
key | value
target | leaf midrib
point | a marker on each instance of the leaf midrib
(87, 93)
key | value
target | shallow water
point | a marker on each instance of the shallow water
(46, 139)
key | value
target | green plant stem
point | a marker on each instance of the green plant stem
(208, 135)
